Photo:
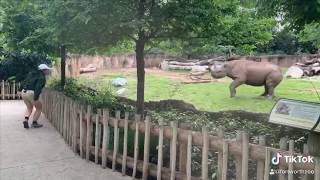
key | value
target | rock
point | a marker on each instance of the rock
(89, 68)
(120, 92)
(294, 72)
(119, 82)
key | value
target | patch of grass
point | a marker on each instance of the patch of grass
(212, 96)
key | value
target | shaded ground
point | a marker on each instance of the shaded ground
(40, 154)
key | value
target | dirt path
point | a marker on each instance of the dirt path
(40, 154)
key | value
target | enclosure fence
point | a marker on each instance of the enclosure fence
(9, 90)
(96, 136)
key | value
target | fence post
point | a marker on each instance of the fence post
(283, 146)
(267, 164)
(160, 150)
(105, 141)
(89, 139)
(220, 156)
(145, 171)
(74, 123)
(14, 90)
(82, 133)
(97, 137)
(238, 159)
(136, 145)
(225, 153)
(116, 141)
(173, 153)
(125, 144)
(290, 166)
(245, 155)
(305, 152)
(260, 164)
(205, 151)
(317, 168)
(189, 153)
(183, 150)
(2, 89)
(65, 118)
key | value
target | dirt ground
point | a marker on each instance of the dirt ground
(182, 76)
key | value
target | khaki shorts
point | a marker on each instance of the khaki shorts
(28, 96)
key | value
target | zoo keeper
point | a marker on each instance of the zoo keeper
(31, 89)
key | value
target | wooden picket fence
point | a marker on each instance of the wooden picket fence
(9, 90)
(84, 130)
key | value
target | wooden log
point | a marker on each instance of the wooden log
(245, 156)
(305, 152)
(105, 141)
(283, 146)
(173, 153)
(220, 155)
(267, 164)
(189, 154)
(89, 138)
(115, 141)
(146, 151)
(160, 150)
(125, 144)
(224, 169)
(290, 167)
(205, 151)
(136, 145)
(82, 140)
(260, 164)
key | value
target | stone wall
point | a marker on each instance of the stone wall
(75, 62)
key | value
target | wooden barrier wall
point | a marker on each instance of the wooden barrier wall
(9, 90)
(89, 134)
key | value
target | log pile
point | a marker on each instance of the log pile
(198, 68)
(307, 68)
(311, 67)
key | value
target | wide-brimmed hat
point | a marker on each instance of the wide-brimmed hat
(44, 67)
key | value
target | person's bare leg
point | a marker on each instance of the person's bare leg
(38, 106)
(37, 113)
(29, 108)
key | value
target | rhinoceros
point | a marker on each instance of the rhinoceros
(248, 72)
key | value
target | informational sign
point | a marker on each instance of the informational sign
(299, 114)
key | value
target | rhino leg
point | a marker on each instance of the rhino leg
(235, 83)
(272, 82)
(265, 90)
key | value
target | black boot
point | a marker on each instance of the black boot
(36, 125)
(25, 124)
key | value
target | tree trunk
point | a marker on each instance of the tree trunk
(140, 74)
(63, 65)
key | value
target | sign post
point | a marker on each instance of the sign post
(303, 115)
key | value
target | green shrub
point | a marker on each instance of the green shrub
(16, 65)
(87, 96)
